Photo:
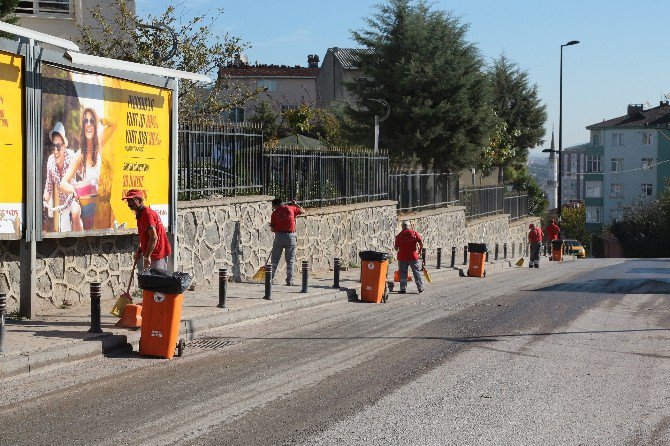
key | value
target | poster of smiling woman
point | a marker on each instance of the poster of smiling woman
(11, 145)
(103, 136)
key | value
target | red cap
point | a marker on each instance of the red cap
(133, 193)
(531, 225)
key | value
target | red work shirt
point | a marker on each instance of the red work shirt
(406, 244)
(148, 218)
(535, 235)
(283, 218)
(552, 231)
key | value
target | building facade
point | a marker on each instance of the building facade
(572, 173)
(627, 161)
(338, 69)
(62, 18)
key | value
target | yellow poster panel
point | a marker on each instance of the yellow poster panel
(104, 136)
(11, 144)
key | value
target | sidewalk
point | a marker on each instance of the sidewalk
(60, 335)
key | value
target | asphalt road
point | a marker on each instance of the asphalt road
(570, 354)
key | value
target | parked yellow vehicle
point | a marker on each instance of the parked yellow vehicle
(574, 247)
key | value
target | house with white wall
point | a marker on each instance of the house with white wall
(626, 161)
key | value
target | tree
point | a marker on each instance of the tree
(499, 150)
(201, 48)
(7, 8)
(419, 61)
(518, 105)
(265, 116)
(522, 181)
(573, 224)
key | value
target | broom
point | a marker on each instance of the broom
(260, 274)
(125, 298)
(519, 262)
(425, 273)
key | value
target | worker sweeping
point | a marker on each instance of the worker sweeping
(535, 240)
(409, 244)
(154, 248)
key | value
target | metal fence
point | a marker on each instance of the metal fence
(217, 158)
(482, 201)
(323, 178)
(516, 206)
(415, 191)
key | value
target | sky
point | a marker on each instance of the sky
(621, 59)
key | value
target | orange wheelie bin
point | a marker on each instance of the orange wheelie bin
(162, 302)
(477, 259)
(557, 250)
(374, 268)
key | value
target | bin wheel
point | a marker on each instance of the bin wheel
(385, 296)
(484, 273)
(181, 346)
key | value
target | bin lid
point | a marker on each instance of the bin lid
(374, 256)
(477, 247)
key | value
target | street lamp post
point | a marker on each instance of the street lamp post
(560, 132)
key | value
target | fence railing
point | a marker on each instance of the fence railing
(482, 201)
(217, 158)
(415, 191)
(516, 206)
(322, 178)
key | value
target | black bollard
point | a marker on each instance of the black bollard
(96, 294)
(336, 272)
(465, 255)
(453, 256)
(544, 250)
(439, 258)
(497, 250)
(513, 249)
(505, 251)
(527, 249)
(487, 255)
(223, 287)
(3, 309)
(423, 255)
(268, 282)
(305, 275)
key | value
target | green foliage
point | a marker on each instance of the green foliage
(7, 8)
(644, 230)
(573, 224)
(201, 48)
(518, 105)
(265, 116)
(298, 119)
(419, 61)
(522, 181)
(500, 149)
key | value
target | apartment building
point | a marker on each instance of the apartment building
(573, 185)
(62, 18)
(626, 161)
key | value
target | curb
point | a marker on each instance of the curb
(107, 343)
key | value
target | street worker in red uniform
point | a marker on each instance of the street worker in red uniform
(409, 244)
(282, 223)
(535, 239)
(154, 248)
(553, 231)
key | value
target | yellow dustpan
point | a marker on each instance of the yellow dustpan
(125, 298)
(520, 262)
(260, 274)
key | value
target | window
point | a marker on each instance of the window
(646, 138)
(617, 164)
(593, 164)
(647, 190)
(647, 163)
(595, 139)
(617, 139)
(44, 7)
(617, 190)
(236, 114)
(593, 214)
(268, 84)
(616, 214)
(594, 189)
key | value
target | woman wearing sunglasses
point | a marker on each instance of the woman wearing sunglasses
(85, 167)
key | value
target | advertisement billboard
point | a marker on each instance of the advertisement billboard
(102, 137)
(11, 144)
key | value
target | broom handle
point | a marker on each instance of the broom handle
(132, 275)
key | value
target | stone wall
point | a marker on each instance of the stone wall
(232, 233)
(10, 273)
(344, 231)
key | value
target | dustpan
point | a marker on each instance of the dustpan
(519, 262)
(396, 276)
(125, 298)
